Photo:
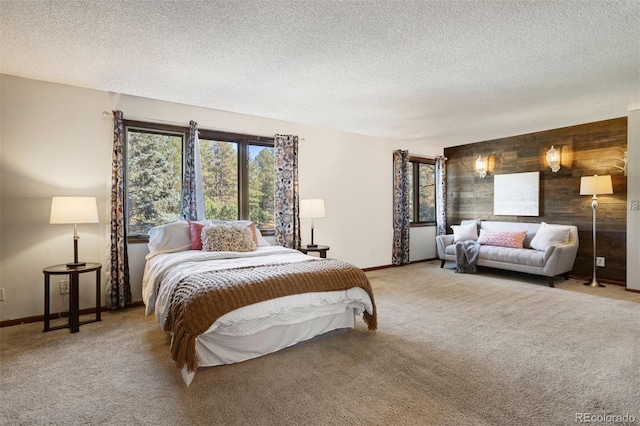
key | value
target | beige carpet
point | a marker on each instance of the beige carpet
(451, 349)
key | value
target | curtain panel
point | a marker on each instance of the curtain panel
(192, 190)
(400, 250)
(441, 195)
(119, 287)
(287, 199)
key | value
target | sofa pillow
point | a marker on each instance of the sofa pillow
(512, 239)
(468, 221)
(169, 238)
(549, 235)
(465, 232)
(227, 237)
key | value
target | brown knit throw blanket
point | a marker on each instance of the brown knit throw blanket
(200, 299)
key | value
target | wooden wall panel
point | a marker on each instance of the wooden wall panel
(585, 150)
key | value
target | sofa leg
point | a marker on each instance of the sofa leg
(550, 281)
(566, 276)
(442, 263)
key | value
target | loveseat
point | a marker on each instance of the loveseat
(548, 250)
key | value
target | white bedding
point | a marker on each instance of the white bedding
(163, 271)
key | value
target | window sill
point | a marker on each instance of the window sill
(138, 239)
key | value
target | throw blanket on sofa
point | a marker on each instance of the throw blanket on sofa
(467, 256)
(202, 298)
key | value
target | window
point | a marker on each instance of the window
(422, 190)
(237, 171)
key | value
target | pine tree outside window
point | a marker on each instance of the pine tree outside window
(237, 171)
(422, 201)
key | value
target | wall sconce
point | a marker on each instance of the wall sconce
(481, 167)
(623, 168)
(553, 159)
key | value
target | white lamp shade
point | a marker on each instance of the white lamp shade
(594, 185)
(73, 210)
(312, 208)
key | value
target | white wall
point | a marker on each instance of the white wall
(55, 140)
(633, 193)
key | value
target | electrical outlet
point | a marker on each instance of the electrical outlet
(1, 294)
(600, 261)
(634, 205)
(64, 287)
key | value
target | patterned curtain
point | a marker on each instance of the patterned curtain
(118, 288)
(441, 195)
(400, 208)
(287, 199)
(192, 193)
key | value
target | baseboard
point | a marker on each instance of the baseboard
(64, 314)
(375, 268)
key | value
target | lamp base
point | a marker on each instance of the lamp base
(593, 282)
(312, 245)
(76, 264)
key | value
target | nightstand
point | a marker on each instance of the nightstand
(319, 249)
(74, 288)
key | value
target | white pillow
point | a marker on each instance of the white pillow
(465, 232)
(262, 241)
(549, 235)
(170, 238)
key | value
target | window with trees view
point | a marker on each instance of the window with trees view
(422, 190)
(237, 171)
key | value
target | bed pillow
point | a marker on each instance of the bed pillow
(227, 237)
(195, 229)
(169, 238)
(512, 239)
(465, 232)
(549, 235)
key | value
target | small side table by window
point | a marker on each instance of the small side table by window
(319, 249)
(74, 288)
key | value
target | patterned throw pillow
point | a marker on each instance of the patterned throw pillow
(195, 229)
(513, 239)
(227, 237)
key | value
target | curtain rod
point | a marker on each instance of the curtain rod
(175, 123)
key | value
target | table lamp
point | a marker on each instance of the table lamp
(312, 209)
(74, 210)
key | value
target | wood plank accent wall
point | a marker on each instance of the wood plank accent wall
(585, 150)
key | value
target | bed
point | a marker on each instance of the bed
(227, 306)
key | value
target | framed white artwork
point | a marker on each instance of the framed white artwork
(516, 194)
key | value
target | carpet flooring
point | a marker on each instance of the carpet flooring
(451, 349)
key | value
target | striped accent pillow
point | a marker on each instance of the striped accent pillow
(512, 239)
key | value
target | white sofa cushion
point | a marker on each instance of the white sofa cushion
(549, 235)
(465, 232)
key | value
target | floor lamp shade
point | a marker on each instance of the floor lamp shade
(594, 186)
(74, 210)
(312, 208)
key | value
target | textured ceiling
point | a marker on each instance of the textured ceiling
(447, 72)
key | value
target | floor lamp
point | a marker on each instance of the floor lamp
(595, 185)
(312, 208)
